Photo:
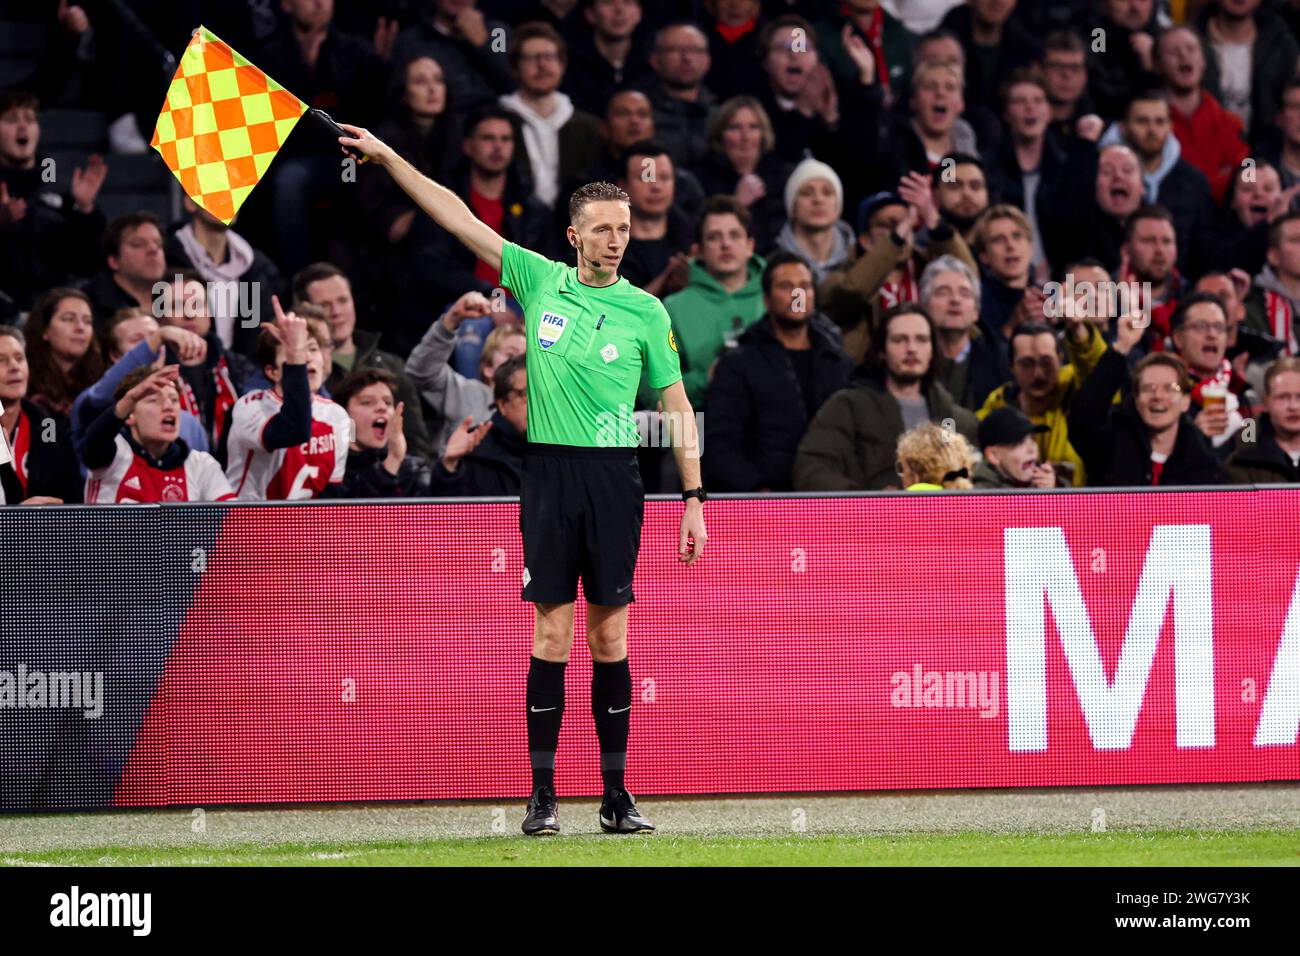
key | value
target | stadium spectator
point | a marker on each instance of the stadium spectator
(324, 284)
(742, 162)
(44, 467)
(132, 338)
(1278, 283)
(134, 263)
(683, 105)
(559, 139)
(1003, 242)
(961, 191)
(931, 458)
(767, 389)
(287, 442)
(50, 226)
(1272, 455)
(460, 38)
(449, 396)
(378, 465)
(657, 258)
(735, 51)
(886, 273)
(1253, 57)
(628, 119)
(813, 230)
(1148, 439)
(1035, 168)
(723, 294)
(607, 55)
(1167, 178)
(1255, 200)
(1009, 443)
(995, 43)
(240, 279)
(935, 127)
(1099, 235)
(971, 359)
(1065, 74)
(1210, 136)
(334, 71)
(798, 93)
(884, 35)
(63, 355)
(1150, 257)
(1282, 144)
(944, 47)
(133, 451)
(1094, 294)
(849, 445)
(1125, 61)
(1200, 338)
(210, 386)
(488, 179)
(1043, 387)
(495, 466)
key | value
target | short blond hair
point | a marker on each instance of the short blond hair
(979, 232)
(494, 341)
(932, 453)
(923, 69)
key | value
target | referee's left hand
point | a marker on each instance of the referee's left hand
(693, 536)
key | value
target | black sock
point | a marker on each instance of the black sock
(611, 705)
(545, 705)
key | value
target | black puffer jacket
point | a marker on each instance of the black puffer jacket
(757, 415)
(1114, 443)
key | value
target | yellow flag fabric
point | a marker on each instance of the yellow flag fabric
(222, 124)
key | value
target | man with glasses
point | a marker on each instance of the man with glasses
(1273, 456)
(1147, 439)
(559, 140)
(1200, 338)
(683, 105)
(1065, 73)
(1042, 388)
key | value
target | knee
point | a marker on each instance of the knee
(552, 636)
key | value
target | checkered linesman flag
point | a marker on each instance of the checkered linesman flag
(222, 123)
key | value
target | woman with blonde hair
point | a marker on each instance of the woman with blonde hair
(933, 458)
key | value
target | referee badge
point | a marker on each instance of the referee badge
(672, 342)
(550, 329)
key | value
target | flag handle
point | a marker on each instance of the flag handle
(327, 121)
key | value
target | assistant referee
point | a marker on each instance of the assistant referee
(589, 334)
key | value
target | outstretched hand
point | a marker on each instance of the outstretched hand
(367, 143)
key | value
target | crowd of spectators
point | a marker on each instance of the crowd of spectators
(903, 244)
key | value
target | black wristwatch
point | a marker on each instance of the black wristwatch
(695, 493)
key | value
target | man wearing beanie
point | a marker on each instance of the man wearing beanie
(813, 230)
(1010, 450)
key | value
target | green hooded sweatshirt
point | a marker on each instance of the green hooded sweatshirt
(705, 316)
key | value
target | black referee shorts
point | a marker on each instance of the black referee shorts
(580, 514)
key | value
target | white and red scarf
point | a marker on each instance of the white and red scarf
(225, 399)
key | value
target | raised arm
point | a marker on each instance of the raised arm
(444, 206)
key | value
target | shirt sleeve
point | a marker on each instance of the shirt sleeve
(663, 365)
(247, 420)
(524, 272)
(213, 484)
(342, 439)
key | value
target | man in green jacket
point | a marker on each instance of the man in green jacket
(723, 296)
(850, 444)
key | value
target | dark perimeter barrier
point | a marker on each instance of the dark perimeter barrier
(214, 654)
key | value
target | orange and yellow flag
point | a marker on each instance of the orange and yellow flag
(222, 124)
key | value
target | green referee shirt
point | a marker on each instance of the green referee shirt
(586, 349)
